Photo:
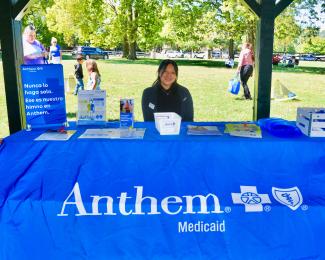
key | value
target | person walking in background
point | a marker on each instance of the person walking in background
(34, 51)
(245, 67)
(55, 55)
(78, 73)
(94, 75)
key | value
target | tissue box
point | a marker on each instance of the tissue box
(311, 121)
(168, 123)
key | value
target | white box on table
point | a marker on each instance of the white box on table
(168, 123)
(311, 121)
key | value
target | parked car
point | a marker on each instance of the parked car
(187, 54)
(308, 57)
(90, 53)
(216, 54)
(200, 55)
(174, 54)
(142, 54)
(119, 53)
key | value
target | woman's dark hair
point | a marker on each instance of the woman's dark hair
(162, 68)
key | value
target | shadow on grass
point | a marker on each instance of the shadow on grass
(183, 62)
(241, 99)
(287, 100)
(204, 63)
(282, 101)
(300, 69)
(215, 64)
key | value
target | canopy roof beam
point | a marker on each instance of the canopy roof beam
(253, 6)
(20, 7)
(281, 5)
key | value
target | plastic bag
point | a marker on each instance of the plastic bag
(279, 127)
(234, 85)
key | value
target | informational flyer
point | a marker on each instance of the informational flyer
(44, 100)
(244, 130)
(126, 113)
(202, 130)
(113, 133)
(55, 135)
(91, 107)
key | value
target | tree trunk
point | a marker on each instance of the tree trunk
(209, 54)
(133, 54)
(231, 49)
(251, 36)
(126, 49)
(133, 28)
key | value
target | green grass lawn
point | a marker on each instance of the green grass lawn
(207, 82)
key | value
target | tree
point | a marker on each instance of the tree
(237, 22)
(190, 24)
(134, 23)
(78, 20)
(286, 31)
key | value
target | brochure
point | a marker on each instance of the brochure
(91, 107)
(244, 130)
(126, 113)
(203, 130)
(114, 133)
(55, 135)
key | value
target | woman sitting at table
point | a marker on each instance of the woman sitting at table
(166, 95)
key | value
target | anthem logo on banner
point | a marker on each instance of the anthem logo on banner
(173, 205)
(249, 197)
(290, 197)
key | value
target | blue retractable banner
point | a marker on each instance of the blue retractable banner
(43, 87)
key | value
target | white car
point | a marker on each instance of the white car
(174, 54)
(199, 55)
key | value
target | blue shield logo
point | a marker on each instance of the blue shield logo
(291, 197)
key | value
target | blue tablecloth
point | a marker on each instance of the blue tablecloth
(183, 197)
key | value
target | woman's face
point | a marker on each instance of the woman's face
(168, 77)
(30, 36)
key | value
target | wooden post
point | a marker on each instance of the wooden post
(12, 57)
(263, 61)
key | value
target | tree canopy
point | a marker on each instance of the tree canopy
(179, 24)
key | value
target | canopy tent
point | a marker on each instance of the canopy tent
(12, 11)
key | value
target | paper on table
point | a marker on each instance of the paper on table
(203, 130)
(244, 130)
(55, 136)
(114, 133)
